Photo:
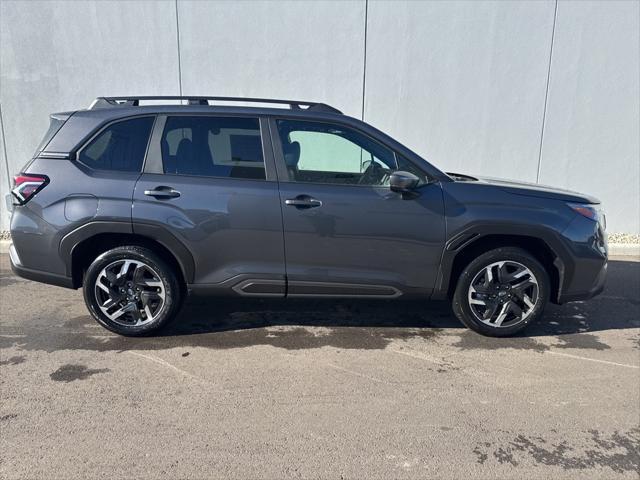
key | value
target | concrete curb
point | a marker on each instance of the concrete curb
(615, 249)
(624, 249)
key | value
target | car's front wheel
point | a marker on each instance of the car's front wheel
(131, 291)
(501, 292)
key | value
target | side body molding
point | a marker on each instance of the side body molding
(71, 240)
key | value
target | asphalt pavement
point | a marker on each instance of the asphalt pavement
(319, 389)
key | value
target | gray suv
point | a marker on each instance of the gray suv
(142, 204)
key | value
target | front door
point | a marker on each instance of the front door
(346, 233)
(209, 183)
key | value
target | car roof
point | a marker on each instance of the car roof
(109, 113)
(81, 124)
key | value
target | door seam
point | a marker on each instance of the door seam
(284, 240)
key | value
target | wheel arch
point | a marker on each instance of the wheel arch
(460, 251)
(82, 246)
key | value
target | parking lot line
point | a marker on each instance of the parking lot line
(415, 354)
(357, 374)
(168, 365)
(594, 360)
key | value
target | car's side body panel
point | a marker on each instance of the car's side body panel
(237, 237)
(75, 196)
(477, 210)
(232, 227)
(362, 240)
(363, 236)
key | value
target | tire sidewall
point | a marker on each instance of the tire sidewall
(164, 272)
(461, 305)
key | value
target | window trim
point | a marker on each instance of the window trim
(283, 174)
(100, 130)
(155, 164)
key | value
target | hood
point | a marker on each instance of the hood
(528, 189)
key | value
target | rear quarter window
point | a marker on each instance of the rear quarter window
(119, 147)
(55, 124)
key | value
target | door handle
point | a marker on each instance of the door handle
(162, 192)
(303, 201)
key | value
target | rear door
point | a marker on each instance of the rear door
(209, 183)
(346, 232)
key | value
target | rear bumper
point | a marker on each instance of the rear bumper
(36, 275)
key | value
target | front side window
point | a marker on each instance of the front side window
(213, 147)
(326, 153)
(120, 147)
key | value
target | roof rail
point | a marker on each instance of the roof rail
(108, 102)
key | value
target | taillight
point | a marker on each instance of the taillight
(26, 186)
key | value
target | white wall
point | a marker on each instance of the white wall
(58, 56)
(293, 50)
(592, 128)
(461, 82)
(468, 84)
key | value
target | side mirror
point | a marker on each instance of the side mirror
(403, 182)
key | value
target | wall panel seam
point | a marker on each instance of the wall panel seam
(546, 92)
(364, 59)
(4, 148)
(178, 46)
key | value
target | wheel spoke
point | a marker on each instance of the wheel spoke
(522, 286)
(501, 273)
(515, 309)
(503, 314)
(102, 286)
(492, 307)
(124, 269)
(138, 275)
(111, 277)
(109, 303)
(145, 297)
(488, 277)
(118, 313)
(477, 295)
(528, 302)
(481, 289)
(136, 314)
(141, 281)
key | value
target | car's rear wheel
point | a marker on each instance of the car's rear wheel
(131, 291)
(501, 292)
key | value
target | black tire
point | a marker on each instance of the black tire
(160, 270)
(461, 299)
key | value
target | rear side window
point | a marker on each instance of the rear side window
(120, 147)
(213, 147)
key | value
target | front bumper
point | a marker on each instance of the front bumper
(596, 289)
(36, 275)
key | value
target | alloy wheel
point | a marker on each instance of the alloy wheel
(130, 292)
(503, 294)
